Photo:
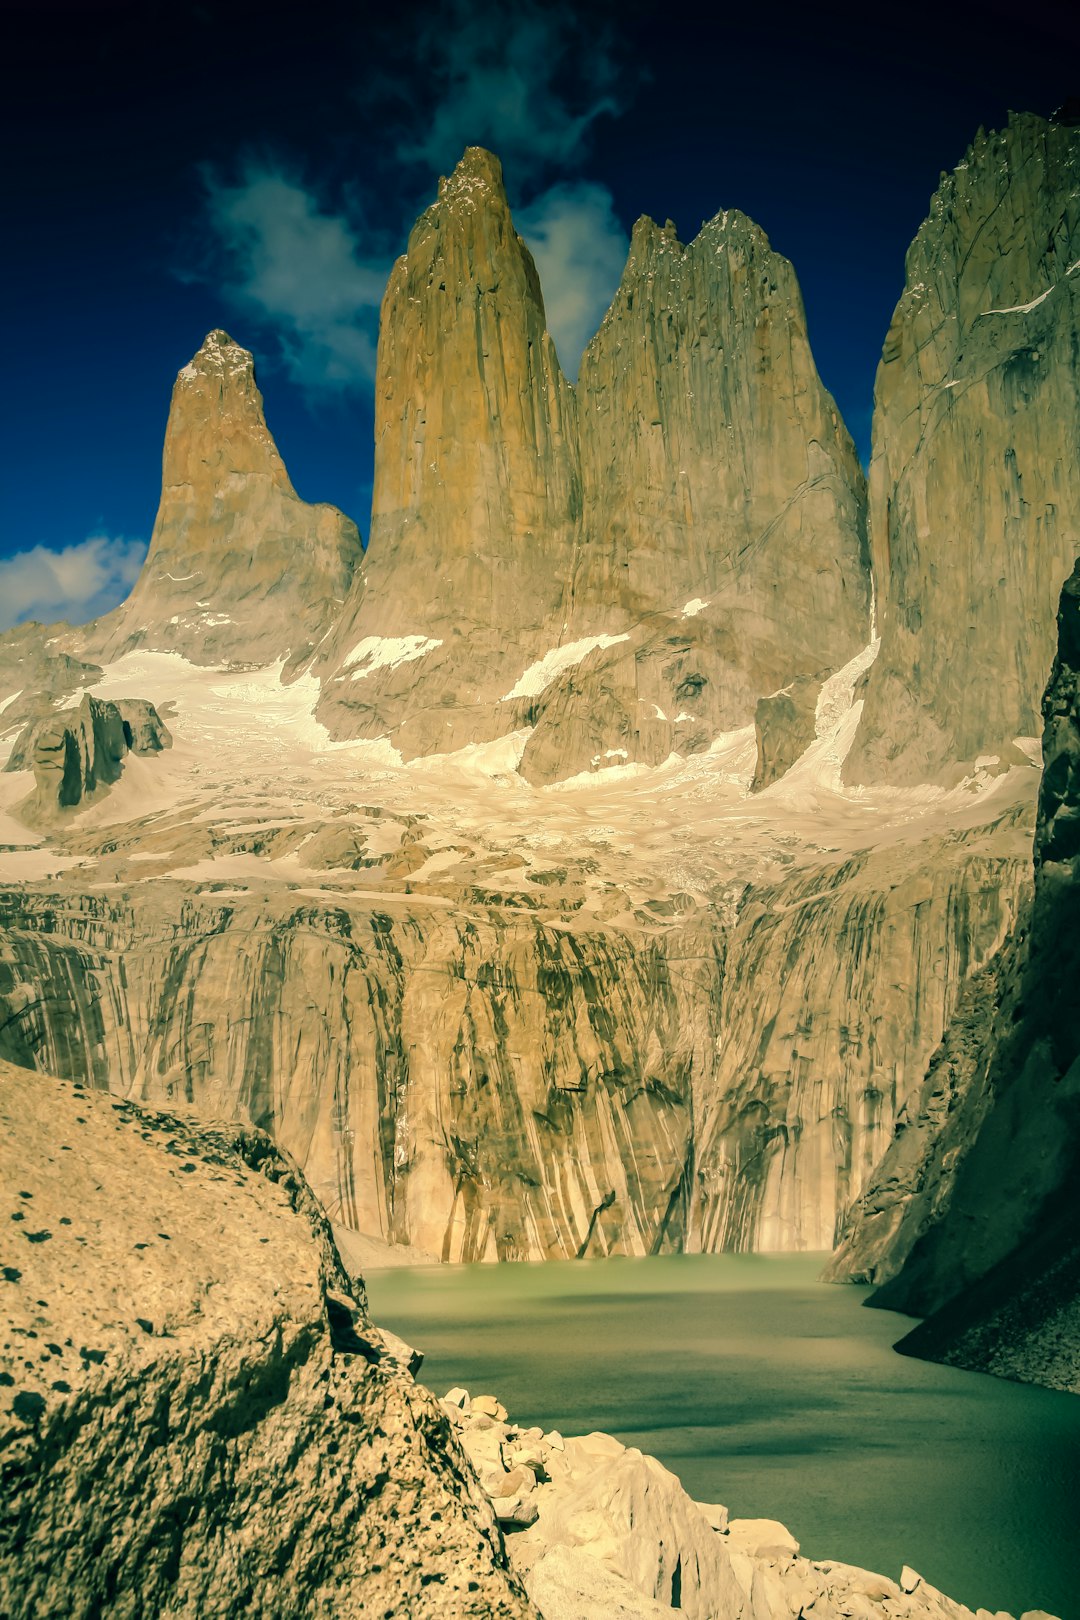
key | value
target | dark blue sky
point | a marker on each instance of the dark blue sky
(175, 167)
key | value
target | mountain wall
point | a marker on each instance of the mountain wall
(613, 568)
(485, 1080)
(974, 480)
(970, 1217)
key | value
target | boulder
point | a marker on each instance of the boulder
(197, 1415)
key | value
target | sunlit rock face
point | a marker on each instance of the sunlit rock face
(477, 488)
(493, 1016)
(723, 520)
(975, 480)
(836, 983)
(971, 1213)
(239, 567)
(487, 1083)
(210, 1423)
(625, 568)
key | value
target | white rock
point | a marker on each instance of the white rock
(488, 1406)
(762, 1538)
(716, 1515)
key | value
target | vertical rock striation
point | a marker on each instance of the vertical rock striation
(239, 567)
(715, 463)
(723, 529)
(975, 480)
(971, 1212)
(837, 984)
(477, 488)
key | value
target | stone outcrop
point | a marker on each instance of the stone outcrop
(601, 1531)
(836, 982)
(625, 569)
(197, 1416)
(79, 753)
(240, 569)
(975, 481)
(971, 1212)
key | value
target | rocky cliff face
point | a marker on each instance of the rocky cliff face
(499, 1074)
(720, 488)
(494, 1016)
(974, 482)
(239, 567)
(971, 1212)
(196, 1414)
(616, 566)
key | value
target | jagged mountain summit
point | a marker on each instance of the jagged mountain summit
(239, 569)
(615, 568)
(531, 910)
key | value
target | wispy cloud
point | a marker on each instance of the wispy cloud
(529, 81)
(76, 583)
(301, 270)
(580, 249)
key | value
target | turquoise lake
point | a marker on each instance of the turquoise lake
(779, 1396)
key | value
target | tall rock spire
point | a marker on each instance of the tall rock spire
(710, 449)
(476, 489)
(723, 527)
(975, 477)
(239, 567)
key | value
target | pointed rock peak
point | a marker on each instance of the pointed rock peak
(732, 224)
(648, 236)
(219, 357)
(478, 169)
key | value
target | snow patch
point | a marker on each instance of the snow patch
(540, 675)
(835, 697)
(1020, 309)
(693, 608)
(387, 652)
(8, 701)
(500, 758)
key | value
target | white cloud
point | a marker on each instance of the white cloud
(76, 583)
(303, 271)
(580, 250)
(528, 81)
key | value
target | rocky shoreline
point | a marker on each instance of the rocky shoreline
(599, 1530)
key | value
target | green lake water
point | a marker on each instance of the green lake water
(778, 1396)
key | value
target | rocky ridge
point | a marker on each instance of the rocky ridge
(79, 753)
(534, 1033)
(599, 1529)
(974, 480)
(196, 1414)
(970, 1214)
